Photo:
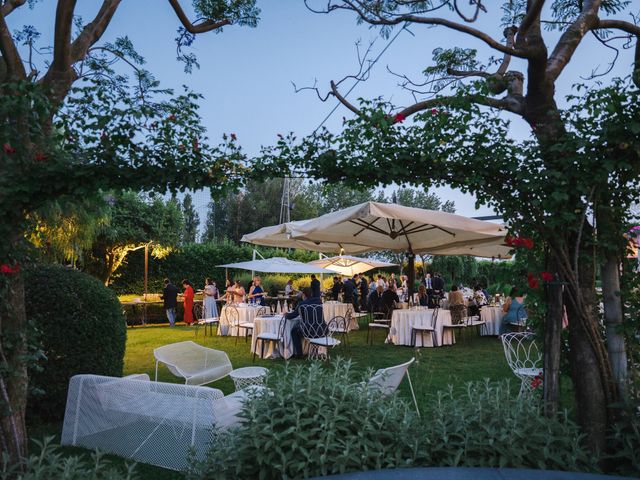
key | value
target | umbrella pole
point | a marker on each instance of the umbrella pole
(411, 257)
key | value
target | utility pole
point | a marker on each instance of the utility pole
(285, 202)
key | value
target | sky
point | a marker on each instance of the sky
(246, 73)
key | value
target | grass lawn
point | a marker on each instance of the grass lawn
(471, 359)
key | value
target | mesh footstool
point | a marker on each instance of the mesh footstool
(247, 376)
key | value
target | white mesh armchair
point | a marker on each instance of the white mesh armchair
(150, 422)
(198, 365)
(387, 380)
(523, 357)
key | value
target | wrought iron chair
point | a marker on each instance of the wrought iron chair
(523, 357)
(317, 333)
(381, 321)
(458, 320)
(340, 326)
(269, 337)
(201, 321)
(248, 326)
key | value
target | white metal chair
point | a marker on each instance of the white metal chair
(317, 333)
(387, 380)
(523, 357)
(198, 365)
(269, 337)
(248, 326)
(458, 320)
(150, 422)
(201, 321)
(340, 326)
(380, 321)
(232, 317)
(426, 328)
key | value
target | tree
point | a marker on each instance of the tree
(65, 141)
(542, 186)
(191, 219)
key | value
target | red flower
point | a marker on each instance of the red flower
(434, 111)
(5, 268)
(233, 136)
(527, 243)
(510, 241)
(399, 118)
(171, 117)
(519, 242)
(546, 276)
(40, 157)
(532, 280)
(196, 144)
(8, 149)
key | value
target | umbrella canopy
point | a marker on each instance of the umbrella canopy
(347, 265)
(277, 265)
(280, 236)
(382, 226)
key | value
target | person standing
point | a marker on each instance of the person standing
(315, 287)
(188, 301)
(257, 293)
(337, 289)
(209, 302)
(438, 288)
(170, 298)
(364, 292)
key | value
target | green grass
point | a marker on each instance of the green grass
(471, 359)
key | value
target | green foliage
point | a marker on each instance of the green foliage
(49, 463)
(191, 220)
(315, 421)
(80, 327)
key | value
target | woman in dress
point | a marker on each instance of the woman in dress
(238, 292)
(210, 294)
(256, 294)
(188, 301)
(423, 298)
(513, 309)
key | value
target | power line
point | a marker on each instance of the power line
(359, 79)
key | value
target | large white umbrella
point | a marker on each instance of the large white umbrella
(277, 265)
(348, 265)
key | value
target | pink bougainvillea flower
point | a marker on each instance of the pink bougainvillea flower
(435, 111)
(196, 144)
(8, 149)
(399, 118)
(233, 136)
(171, 117)
(532, 280)
(6, 268)
(546, 276)
(40, 157)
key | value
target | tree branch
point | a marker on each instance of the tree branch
(10, 6)
(10, 54)
(532, 16)
(205, 26)
(92, 32)
(628, 27)
(572, 37)
(62, 38)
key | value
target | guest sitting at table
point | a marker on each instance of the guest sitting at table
(513, 307)
(390, 298)
(310, 315)
(455, 296)
(257, 293)
(423, 298)
(375, 300)
(337, 288)
(478, 301)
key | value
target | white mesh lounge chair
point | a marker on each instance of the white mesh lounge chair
(149, 422)
(387, 380)
(198, 365)
(523, 357)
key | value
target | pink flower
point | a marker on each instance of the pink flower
(434, 111)
(8, 269)
(399, 118)
(171, 118)
(8, 149)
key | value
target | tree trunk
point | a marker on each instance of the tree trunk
(552, 343)
(14, 381)
(610, 275)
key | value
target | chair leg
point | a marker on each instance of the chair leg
(434, 339)
(413, 337)
(237, 335)
(415, 402)
(254, 351)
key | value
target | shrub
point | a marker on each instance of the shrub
(80, 328)
(316, 421)
(50, 463)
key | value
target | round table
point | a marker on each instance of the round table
(270, 324)
(333, 309)
(247, 376)
(492, 316)
(246, 313)
(402, 320)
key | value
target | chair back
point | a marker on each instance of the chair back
(261, 311)
(312, 322)
(338, 323)
(233, 316)
(388, 379)
(521, 350)
(457, 314)
(198, 311)
(281, 327)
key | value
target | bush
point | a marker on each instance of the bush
(49, 463)
(317, 421)
(80, 328)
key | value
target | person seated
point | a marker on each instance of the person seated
(478, 301)
(375, 300)
(423, 298)
(455, 296)
(513, 308)
(309, 312)
(390, 299)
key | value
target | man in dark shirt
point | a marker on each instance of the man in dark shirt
(364, 292)
(438, 288)
(375, 300)
(389, 299)
(170, 297)
(308, 311)
(315, 287)
(337, 288)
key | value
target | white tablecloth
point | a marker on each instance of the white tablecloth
(246, 313)
(403, 320)
(493, 318)
(270, 324)
(336, 309)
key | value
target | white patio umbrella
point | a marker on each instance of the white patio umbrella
(276, 265)
(348, 265)
(382, 226)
